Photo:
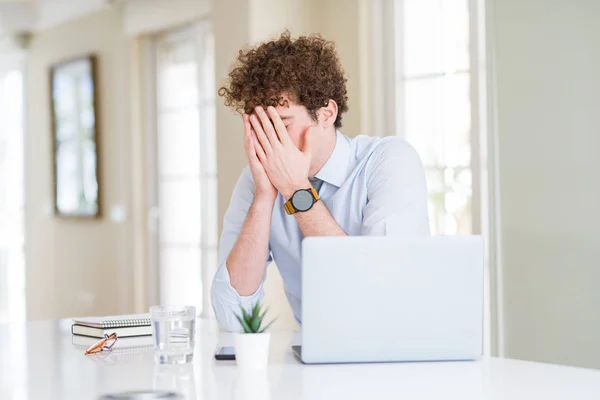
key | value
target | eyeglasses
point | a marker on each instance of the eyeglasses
(105, 344)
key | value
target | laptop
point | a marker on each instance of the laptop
(390, 299)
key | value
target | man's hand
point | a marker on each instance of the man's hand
(263, 188)
(286, 166)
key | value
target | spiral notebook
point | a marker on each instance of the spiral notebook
(123, 325)
(127, 343)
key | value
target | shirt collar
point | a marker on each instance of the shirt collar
(336, 168)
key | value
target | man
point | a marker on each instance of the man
(304, 177)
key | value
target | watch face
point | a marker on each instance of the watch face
(302, 200)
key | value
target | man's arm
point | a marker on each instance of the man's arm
(246, 262)
(244, 248)
(396, 191)
(243, 254)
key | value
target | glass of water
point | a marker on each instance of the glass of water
(173, 331)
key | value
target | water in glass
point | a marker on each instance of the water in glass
(173, 330)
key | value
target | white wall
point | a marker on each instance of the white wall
(548, 83)
(73, 266)
(78, 267)
(86, 267)
(342, 21)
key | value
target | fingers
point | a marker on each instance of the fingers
(260, 134)
(260, 152)
(253, 149)
(282, 132)
(267, 126)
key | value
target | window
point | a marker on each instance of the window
(433, 52)
(186, 179)
(12, 238)
(433, 91)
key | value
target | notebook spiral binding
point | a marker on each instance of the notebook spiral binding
(114, 323)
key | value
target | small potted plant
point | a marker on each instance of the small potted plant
(252, 345)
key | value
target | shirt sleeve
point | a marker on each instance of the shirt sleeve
(226, 300)
(396, 192)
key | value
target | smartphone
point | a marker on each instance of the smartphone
(225, 353)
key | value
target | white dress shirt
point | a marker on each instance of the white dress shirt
(371, 186)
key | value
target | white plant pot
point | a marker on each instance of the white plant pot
(252, 350)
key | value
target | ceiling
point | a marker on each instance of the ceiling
(19, 16)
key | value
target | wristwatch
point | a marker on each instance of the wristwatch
(302, 200)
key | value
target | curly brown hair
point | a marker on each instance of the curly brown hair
(307, 69)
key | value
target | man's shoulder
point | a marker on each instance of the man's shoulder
(371, 148)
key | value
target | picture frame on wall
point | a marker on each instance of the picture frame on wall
(75, 132)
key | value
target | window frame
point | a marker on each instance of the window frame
(388, 112)
(208, 240)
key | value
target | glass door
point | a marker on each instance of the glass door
(185, 168)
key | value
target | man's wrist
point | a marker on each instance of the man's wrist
(288, 192)
(264, 201)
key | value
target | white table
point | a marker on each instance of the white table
(39, 361)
